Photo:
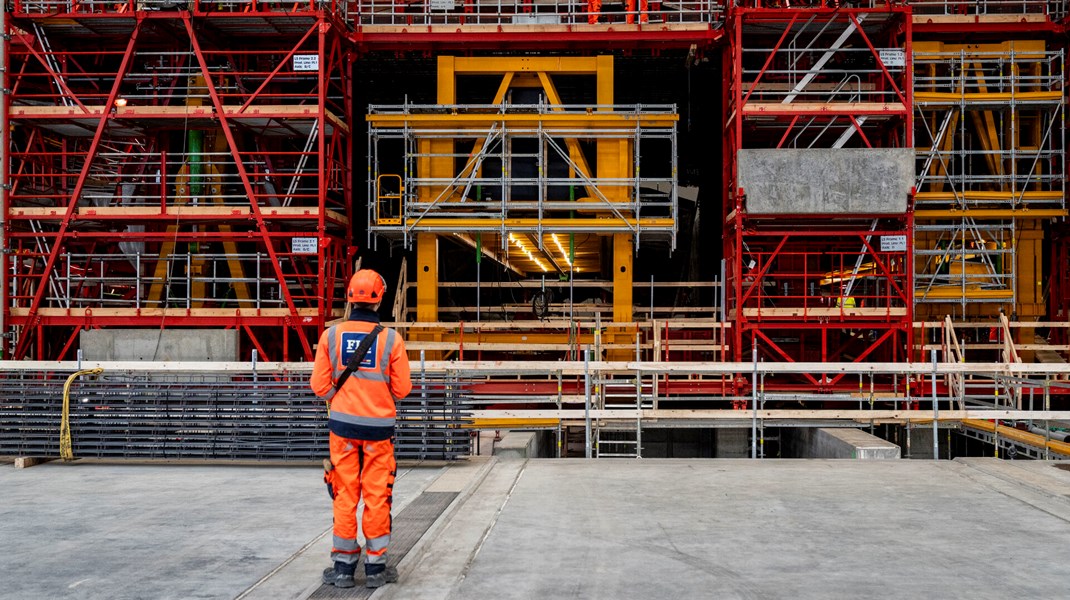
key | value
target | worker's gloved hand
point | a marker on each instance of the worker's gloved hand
(328, 476)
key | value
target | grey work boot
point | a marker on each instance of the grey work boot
(388, 575)
(337, 578)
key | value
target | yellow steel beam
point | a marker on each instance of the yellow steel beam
(557, 65)
(426, 277)
(623, 252)
(994, 195)
(990, 97)
(954, 292)
(575, 153)
(992, 213)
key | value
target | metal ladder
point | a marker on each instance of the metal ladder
(622, 439)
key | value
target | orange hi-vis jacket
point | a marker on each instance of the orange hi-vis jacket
(364, 408)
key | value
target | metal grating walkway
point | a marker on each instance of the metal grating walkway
(409, 526)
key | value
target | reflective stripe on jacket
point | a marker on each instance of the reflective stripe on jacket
(364, 407)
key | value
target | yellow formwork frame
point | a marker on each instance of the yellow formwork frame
(614, 158)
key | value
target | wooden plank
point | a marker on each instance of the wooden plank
(25, 462)
(178, 210)
(690, 370)
(165, 312)
(990, 324)
(928, 347)
(555, 324)
(576, 284)
(207, 110)
(778, 414)
(924, 19)
(829, 311)
(416, 30)
(832, 108)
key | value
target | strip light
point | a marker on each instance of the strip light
(564, 254)
(520, 244)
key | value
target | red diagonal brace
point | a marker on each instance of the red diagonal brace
(880, 63)
(244, 175)
(20, 350)
(282, 63)
(55, 76)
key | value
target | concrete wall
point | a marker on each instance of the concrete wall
(826, 181)
(157, 344)
(810, 442)
(524, 444)
(731, 443)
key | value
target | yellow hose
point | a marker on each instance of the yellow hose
(65, 451)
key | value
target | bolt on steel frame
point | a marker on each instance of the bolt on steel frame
(182, 170)
(807, 287)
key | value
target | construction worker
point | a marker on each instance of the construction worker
(361, 401)
(629, 6)
(594, 10)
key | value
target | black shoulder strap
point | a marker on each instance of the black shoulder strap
(358, 356)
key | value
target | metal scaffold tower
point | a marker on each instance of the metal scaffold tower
(991, 172)
(176, 167)
(530, 180)
(818, 169)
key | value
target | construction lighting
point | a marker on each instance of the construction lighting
(564, 254)
(120, 102)
(528, 253)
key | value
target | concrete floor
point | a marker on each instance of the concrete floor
(973, 528)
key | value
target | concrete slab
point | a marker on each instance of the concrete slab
(105, 531)
(160, 344)
(826, 180)
(838, 442)
(553, 528)
(746, 529)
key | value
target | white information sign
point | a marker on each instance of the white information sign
(893, 243)
(304, 245)
(442, 4)
(893, 57)
(306, 62)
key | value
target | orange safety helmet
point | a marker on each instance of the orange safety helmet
(366, 286)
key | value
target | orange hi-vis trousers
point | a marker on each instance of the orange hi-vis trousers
(362, 469)
(629, 6)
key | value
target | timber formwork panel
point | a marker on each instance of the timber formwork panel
(806, 287)
(177, 173)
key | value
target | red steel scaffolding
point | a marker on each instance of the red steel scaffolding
(802, 284)
(176, 168)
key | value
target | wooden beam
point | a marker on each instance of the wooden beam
(25, 462)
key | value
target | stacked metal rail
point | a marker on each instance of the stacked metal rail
(209, 416)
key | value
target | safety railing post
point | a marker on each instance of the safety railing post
(936, 412)
(587, 402)
(754, 403)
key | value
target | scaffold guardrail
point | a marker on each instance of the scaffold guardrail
(266, 411)
(540, 12)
